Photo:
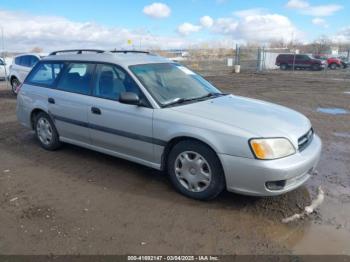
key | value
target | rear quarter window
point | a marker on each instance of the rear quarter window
(45, 74)
(283, 57)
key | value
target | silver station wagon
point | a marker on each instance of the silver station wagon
(155, 112)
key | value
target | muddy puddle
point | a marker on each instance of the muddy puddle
(326, 231)
(332, 110)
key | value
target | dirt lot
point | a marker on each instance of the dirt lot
(75, 201)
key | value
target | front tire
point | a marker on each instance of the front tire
(195, 170)
(14, 85)
(46, 132)
(315, 68)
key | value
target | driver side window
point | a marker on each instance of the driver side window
(111, 81)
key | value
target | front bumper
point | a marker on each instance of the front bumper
(249, 176)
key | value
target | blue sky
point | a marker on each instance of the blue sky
(302, 19)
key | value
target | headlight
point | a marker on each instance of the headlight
(271, 148)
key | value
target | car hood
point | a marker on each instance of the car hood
(257, 117)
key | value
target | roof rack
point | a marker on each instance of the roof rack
(130, 51)
(77, 51)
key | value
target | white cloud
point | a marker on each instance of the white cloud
(265, 28)
(225, 25)
(250, 12)
(188, 28)
(322, 10)
(157, 10)
(206, 21)
(306, 8)
(319, 22)
(297, 4)
(24, 31)
(256, 27)
(250, 25)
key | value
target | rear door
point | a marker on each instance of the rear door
(70, 101)
(121, 128)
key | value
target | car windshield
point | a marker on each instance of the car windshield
(171, 83)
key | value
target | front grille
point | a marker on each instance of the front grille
(305, 140)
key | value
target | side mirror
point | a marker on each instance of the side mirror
(129, 98)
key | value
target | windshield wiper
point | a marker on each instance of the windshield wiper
(210, 95)
(175, 101)
(182, 100)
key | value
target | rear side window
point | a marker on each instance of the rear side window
(77, 78)
(32, 60)
(303, 57)
(26, 60)
(283, 57)
(18, 60)
(45, 73)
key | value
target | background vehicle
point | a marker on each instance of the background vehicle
(20, 68)
(300, 61)
(332, 62)
(345, 62)
(3, 70)
(5, 64)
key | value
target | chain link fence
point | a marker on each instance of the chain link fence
(216, 62)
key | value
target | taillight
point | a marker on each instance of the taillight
(18, 88)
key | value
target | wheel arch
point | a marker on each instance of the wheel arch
(34, 113)
(12, 77)
(175, 140)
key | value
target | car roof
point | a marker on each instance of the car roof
(124, 59)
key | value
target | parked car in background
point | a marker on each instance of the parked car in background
(153, 111)
(299, 61)
(332, 62)
(3, 70)
(345, 61)
(20, 68)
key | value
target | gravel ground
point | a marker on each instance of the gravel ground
(76, 201)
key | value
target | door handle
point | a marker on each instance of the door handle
(51, 100)
(96, 110)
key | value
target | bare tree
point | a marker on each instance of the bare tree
(37, 50)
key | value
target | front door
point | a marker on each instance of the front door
(121, 128)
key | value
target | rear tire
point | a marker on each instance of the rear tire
(46, 132)
(14, 85)
(333, 66)
(283, 67)
(195, 170)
